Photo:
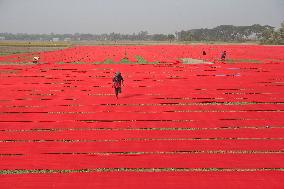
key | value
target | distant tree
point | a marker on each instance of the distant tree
(171, 37)
(142, 35)
(159, 37)
(271, 36)
(185, 36)
(281, 34)
(266, 34)
(224, 33)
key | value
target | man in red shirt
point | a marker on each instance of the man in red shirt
(117, 81)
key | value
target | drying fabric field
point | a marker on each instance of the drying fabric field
(176, 124)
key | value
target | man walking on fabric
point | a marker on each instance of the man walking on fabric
(117, 81)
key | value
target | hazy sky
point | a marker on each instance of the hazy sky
(128, 16)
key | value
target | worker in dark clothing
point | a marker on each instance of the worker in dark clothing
(223, 57)
(117, 81)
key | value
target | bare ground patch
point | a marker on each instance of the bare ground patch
(194, 61)
(232, 61)
(10, 50)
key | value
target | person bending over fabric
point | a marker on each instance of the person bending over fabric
(35, 59)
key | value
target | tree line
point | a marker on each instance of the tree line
(228, 33)
(224, 33)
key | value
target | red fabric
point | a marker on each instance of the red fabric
(170, 115)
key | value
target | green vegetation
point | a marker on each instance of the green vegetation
(229, 33)
(77, 62)
(124, 60)
(34, 44)
(273, 37)
(108, 61)
(224, 33)
(9, 53)
(13, 47)
(140, 59)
